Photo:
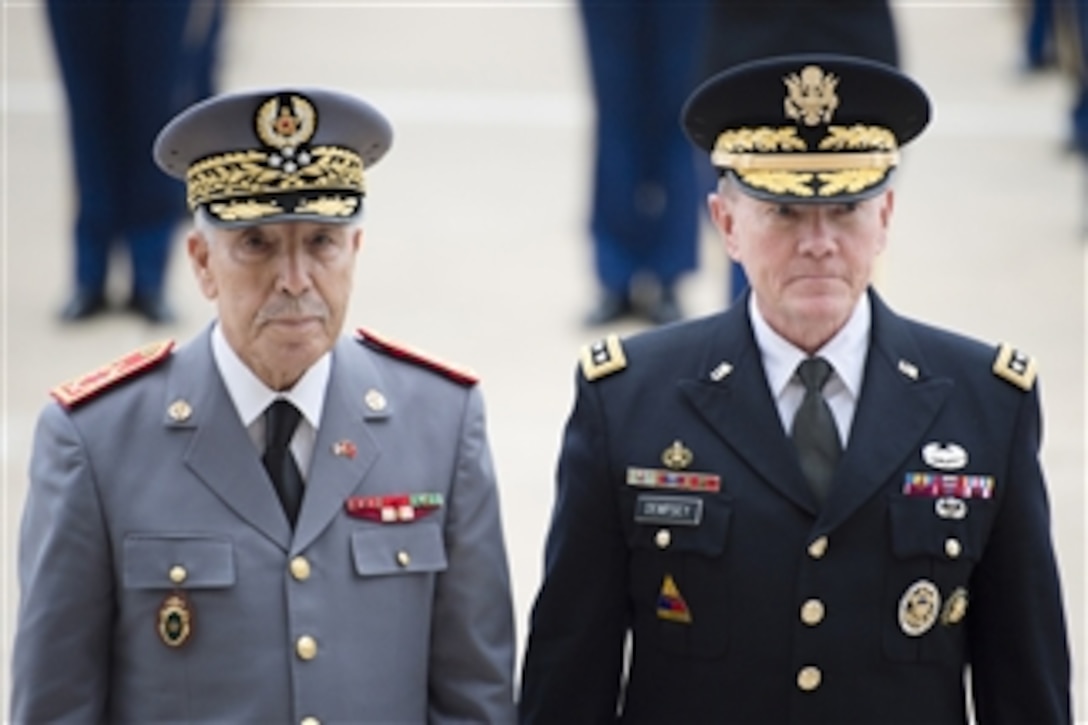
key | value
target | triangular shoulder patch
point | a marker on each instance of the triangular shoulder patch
(460, 375)
(74, 392)
(1015, 366)
(603, 358)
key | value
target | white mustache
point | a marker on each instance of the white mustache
(285, 307)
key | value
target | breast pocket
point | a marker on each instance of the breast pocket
(398, 549)
(177, 562)
(677, 572)
(935, 543)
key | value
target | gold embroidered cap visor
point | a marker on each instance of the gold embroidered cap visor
(812, 128)
(274, 155)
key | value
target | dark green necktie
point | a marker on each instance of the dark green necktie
(280, 420)
(814, 432)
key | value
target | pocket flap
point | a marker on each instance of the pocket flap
(398, 549)
(918, 530)
(704, 533)
(183, 561)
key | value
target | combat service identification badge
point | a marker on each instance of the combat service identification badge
(670, 605)
(919, 607)
(175, 621)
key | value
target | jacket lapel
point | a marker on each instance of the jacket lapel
(221, 453)
(740, 408)
(898, 404)
(345, 449)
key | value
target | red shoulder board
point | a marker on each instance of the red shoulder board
(403, 352)
(76, 391)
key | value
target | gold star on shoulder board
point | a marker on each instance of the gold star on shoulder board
(603, 358)
(1015, 366)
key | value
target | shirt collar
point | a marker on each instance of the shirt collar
(846, 351)
(251, 396)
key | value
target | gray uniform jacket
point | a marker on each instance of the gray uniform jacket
(347, 619)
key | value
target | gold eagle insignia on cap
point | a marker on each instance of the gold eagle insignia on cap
(811, 95)
(1015, 366)
(602, 358)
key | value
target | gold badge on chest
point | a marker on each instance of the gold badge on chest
(175, 620)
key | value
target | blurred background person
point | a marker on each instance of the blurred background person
(737, 31)
(1040, 52)
(127, 67)
(645, 206)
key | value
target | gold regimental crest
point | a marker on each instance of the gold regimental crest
(1015, 366)
(175, 621)
(286, 122)
(602, 358)
(919, 608)
(677, 456)
(810, 97)
(955, 609)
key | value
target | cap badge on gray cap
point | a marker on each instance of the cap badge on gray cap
(250, 184)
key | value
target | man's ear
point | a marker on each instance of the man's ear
(199, 257)
(723, 216)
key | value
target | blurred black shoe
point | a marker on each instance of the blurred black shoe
(153, 308)
(82, 305)
(665, 308)
(610, 307)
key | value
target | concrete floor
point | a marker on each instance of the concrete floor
(476, 243)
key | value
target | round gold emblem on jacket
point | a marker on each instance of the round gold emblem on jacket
(178, 574)
(179, 411)
(919, 607)
(809, 678)
(955, 609)
(818, 548)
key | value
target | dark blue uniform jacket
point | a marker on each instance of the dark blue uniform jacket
(797, 612)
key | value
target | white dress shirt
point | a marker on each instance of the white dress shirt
(252, 397)
(846, 352)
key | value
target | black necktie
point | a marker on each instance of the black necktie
(814, 432)
(280, 421)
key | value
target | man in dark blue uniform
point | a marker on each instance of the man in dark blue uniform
(128, 66)
(806, 509)
(645, 213)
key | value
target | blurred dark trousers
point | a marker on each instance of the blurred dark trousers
(644, 62)
(127, 66)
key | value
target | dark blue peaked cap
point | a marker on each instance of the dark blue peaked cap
(807, 128)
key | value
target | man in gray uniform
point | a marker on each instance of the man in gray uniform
(273, 522)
